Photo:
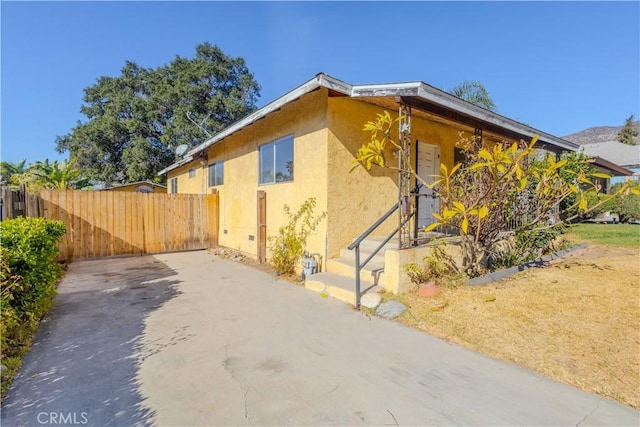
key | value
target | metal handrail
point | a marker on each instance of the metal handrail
(356, 245)
(373, 227)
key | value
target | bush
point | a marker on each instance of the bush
(628, 208)
(526, 246)
(28, 274)
(438, 265)
(288, 245)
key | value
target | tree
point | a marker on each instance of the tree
(62, 175)
(628, 133)
(135, 121)
(475, 93)
(497, 188)
(13, 173)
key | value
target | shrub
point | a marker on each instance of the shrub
(438, 265)
(28, 275)
(288, 245)
(525, 246)
(628, 208)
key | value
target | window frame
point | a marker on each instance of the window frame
(215, 180)
(273, 144)
(192, 173)
(174, 185)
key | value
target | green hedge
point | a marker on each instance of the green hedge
(28, 273)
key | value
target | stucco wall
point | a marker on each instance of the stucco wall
(359, 198)
(186, 185)
(327, 134)
(306, 120)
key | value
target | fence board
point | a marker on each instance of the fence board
(109, 223)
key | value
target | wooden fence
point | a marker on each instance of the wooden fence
(104, 223)
(12, 202)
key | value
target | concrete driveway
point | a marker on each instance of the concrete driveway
(189, 339)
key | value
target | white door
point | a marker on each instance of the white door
(428, 165)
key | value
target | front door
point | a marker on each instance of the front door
(428, 165)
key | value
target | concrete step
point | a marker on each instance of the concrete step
(346, 254)
(347, 268)
(338, 286)
(367, 246)
(372, 242)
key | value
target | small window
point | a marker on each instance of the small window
(192, 173)
(216, 174)
(459, 156)
(276, 161)
(143, 189)
(174, 185)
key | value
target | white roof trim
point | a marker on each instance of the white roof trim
(320, 80)
(444, 99)
(418, 89)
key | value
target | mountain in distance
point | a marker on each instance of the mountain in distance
(599, 134)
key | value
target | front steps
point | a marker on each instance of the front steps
(338, 286)
(339, 279)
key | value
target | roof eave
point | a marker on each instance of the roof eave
(606, 164)
(320, 80)
(410, 89)
(448, 101)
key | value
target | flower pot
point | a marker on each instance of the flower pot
(429, 289)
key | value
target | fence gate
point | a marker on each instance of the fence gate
(104, 223)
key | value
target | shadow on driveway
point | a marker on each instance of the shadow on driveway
(82, 367)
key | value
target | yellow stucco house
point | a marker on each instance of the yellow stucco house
(303, 145)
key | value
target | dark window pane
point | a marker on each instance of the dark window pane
(212, 177)
(284, 159)
(216, 174)
(266, 164)
(219, 173)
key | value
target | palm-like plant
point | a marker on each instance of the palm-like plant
(62, 175)
(13, 173)
(475, 93)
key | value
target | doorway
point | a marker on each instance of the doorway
(427, 165)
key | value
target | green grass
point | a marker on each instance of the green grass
(607, 234)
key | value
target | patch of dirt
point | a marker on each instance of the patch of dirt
(265, 267)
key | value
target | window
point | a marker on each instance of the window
(276, 161)
(192, 173)
(459, 156)
(174, 185)
(216, 174)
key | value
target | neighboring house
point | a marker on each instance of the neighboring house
(303, 145)
(626, 157)
(140, 187)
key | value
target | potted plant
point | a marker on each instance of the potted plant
(437, 267)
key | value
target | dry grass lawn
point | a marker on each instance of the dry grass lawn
(577, 320)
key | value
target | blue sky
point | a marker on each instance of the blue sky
(560, 67)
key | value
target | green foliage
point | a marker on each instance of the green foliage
(62, 175)
(28, 274)
(417, 273)
(628, 133)
(526, 246)
(136, 120)
(475, 93)
(627, 205)
(608, 234)
(13, 173)
(438, 265)
(499, 187)
(628, 208)
(290, 242)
